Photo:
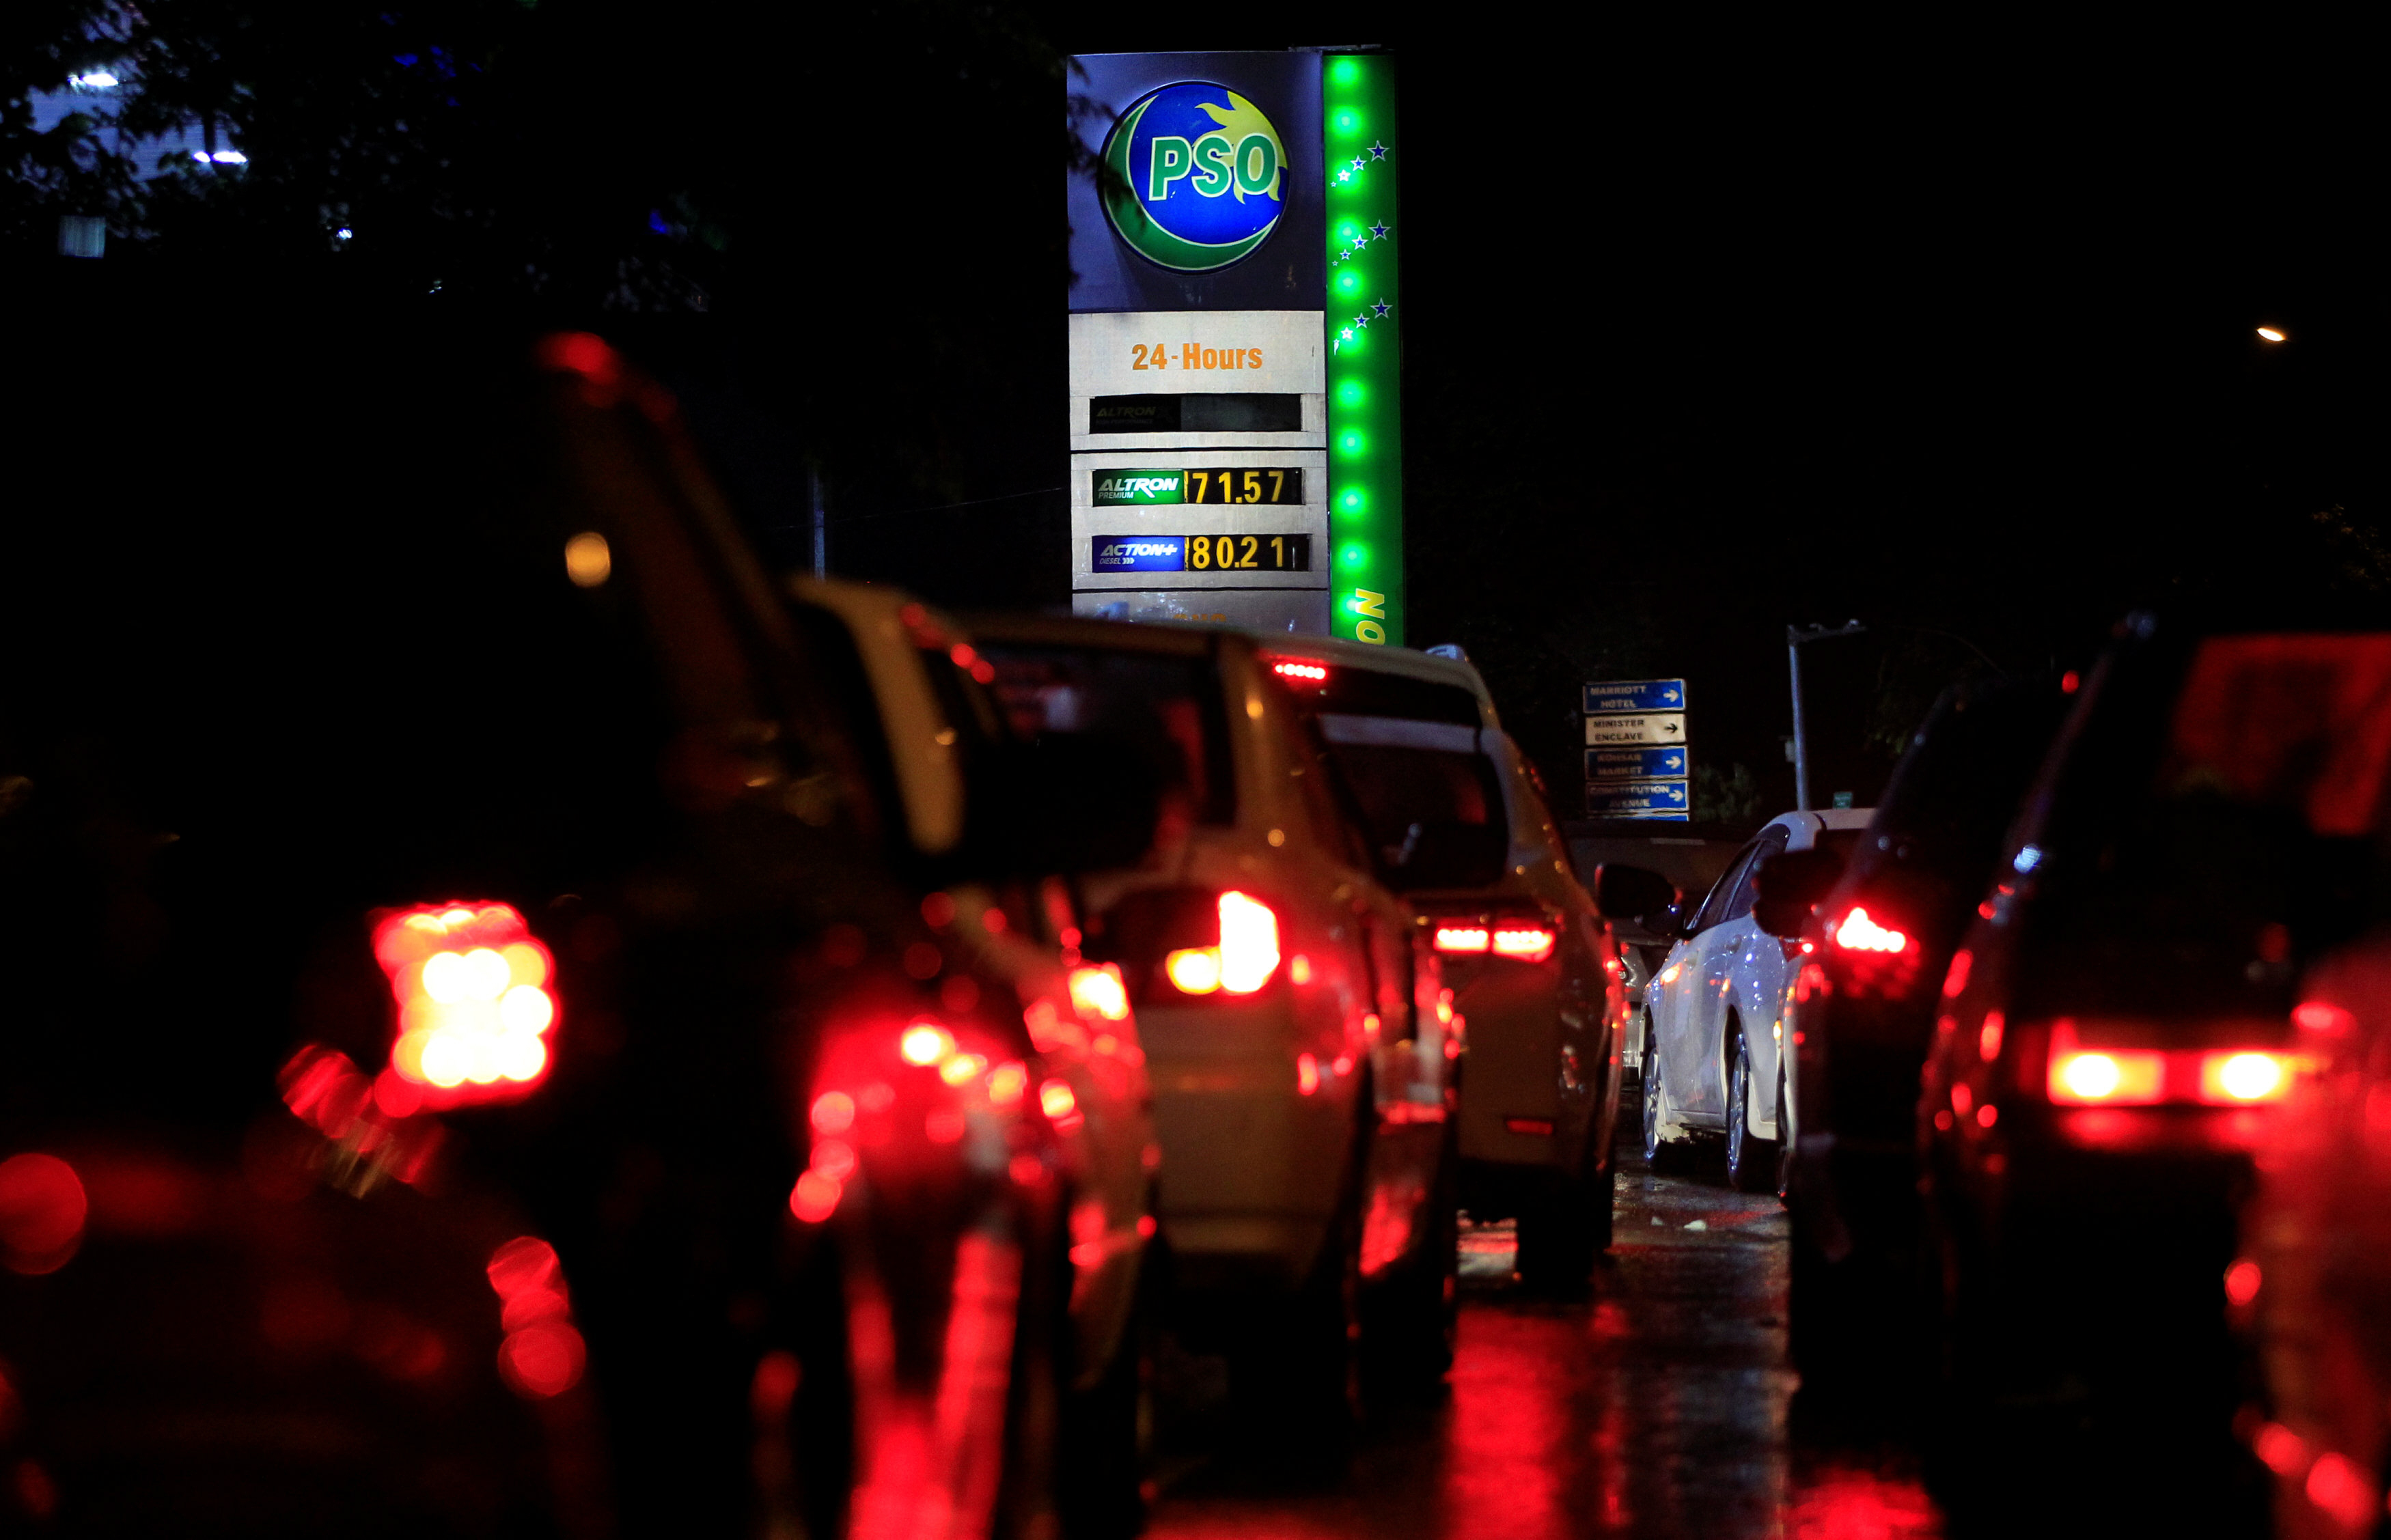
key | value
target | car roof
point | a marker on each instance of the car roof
(1188, 641)
(1805, 827)
(1385, 660)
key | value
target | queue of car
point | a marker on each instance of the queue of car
(524, 1020)
(527, 1021)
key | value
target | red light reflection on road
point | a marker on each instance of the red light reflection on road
(929, 1459)
(1510, 1415)
(1847, 1504)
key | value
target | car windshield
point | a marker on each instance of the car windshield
(1409, 775)
(2215, 822)
(1167, 706)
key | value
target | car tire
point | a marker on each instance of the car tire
(1107, 1429)
(1563, 1229)
(1751, 1161)
(1785, 1140)
(1409, 1314)
(1295, 1374)
(1660, 1153)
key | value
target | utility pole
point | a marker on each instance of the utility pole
(822, 521)
(1794, 636)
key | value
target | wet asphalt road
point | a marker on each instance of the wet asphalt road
(1660, 1403)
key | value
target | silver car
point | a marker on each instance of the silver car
(1713, 1017)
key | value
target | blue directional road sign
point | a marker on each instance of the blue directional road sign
(1637, 800)
(1638, 764)
(1636, 695)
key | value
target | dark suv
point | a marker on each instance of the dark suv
(435, 878)
(1863, 1016)
(2116, 1033)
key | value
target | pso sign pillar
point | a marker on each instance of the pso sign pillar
(1235, 350)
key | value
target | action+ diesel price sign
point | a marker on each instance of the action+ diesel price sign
(1200, 553)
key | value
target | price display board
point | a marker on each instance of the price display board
(1200, 553)
(1276, 485)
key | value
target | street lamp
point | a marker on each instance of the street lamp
(2270, 334)
(1794, 636)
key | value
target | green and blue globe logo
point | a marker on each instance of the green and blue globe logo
(1202, 174)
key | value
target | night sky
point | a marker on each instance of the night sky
(1949, 329)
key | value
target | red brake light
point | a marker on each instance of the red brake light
(2104, 1076)
(2244, 1079)
(1859, 933)
(543, 1353)
(476, 1000)
(1463, 938)
(1291, 668)
(1523, 943)
(1098, 992)
(1243, 961)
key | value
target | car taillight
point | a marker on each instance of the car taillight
(1099, 992)
(2242, 1079)
(2112, 1079)
(1870, 958)
(1243, 960)
(2100, 1075)
(1856, 933)
(543, 1355)
(1520, 940)
(1300, 671)
(476, 1000)
(1523, 943)
(918, 1097)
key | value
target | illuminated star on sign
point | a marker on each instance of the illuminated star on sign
(1378, 232)
(1381, 308)
(1347, 334)
(1359, 162)
(1344, 175)
(1360, 241)
(1377, 152)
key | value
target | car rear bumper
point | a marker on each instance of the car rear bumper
(1512, 1107)
(1252, 1166)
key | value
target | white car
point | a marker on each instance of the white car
(1301, 1045)
(1714, 1017)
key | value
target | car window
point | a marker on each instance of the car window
(1167, 706)
(1405, 775)
(2216, 817)
(1747, 882)
(1714, 907)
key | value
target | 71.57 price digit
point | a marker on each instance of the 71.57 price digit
(1269, 485)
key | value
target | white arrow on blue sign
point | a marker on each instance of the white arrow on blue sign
(1636, 695)
(1626, 731)
(1637, 764)
(1637, 798)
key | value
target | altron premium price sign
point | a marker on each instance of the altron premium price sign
(1207, 480)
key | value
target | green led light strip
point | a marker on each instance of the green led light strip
(1366, 351)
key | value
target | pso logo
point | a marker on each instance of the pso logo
(1201, 172)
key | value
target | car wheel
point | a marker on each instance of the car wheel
(1410, 1315)
(1107, 1430)
(1295, 1372)
(1660, 1153)
(1785, 1141)
(1565, 1227)
(1751, 1161)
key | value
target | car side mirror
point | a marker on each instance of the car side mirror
(1445, 856)
(1788, 886)
(1634, 892)
(1064, 804)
